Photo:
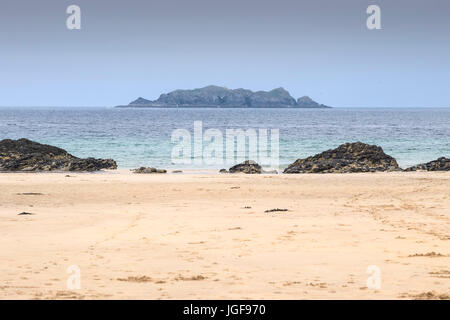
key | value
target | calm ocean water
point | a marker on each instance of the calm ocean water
(138, 137)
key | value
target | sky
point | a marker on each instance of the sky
(133, 48)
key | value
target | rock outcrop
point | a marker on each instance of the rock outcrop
(248, 167)
(349, 157)
(26, 155)
(441, 164)
(307, 102)
(220, 97)
(149, 170)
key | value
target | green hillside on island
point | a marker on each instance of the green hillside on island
(221, 97)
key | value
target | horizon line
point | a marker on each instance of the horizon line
(334, 107)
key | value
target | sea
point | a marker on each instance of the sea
(137, 137)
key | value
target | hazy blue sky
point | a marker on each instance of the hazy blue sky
(133, 48)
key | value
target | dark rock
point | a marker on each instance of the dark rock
(220, 97)
(25, 214)
(30, 194)
(223, 171)
(276, 210)
(349, 157)
(26, 155)
(248, 167)
(91, 164)
(177, 171)
(148, 170)
(441, 164)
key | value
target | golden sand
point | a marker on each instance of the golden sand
(198, 236)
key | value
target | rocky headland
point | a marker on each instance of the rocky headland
(24, 155)
(441, 164)
(221, 97)
(29, 156)
(348, 157)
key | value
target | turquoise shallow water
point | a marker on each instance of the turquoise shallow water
(138, 137)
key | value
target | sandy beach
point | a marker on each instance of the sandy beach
(207, 236)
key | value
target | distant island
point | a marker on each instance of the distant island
(221, 97)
